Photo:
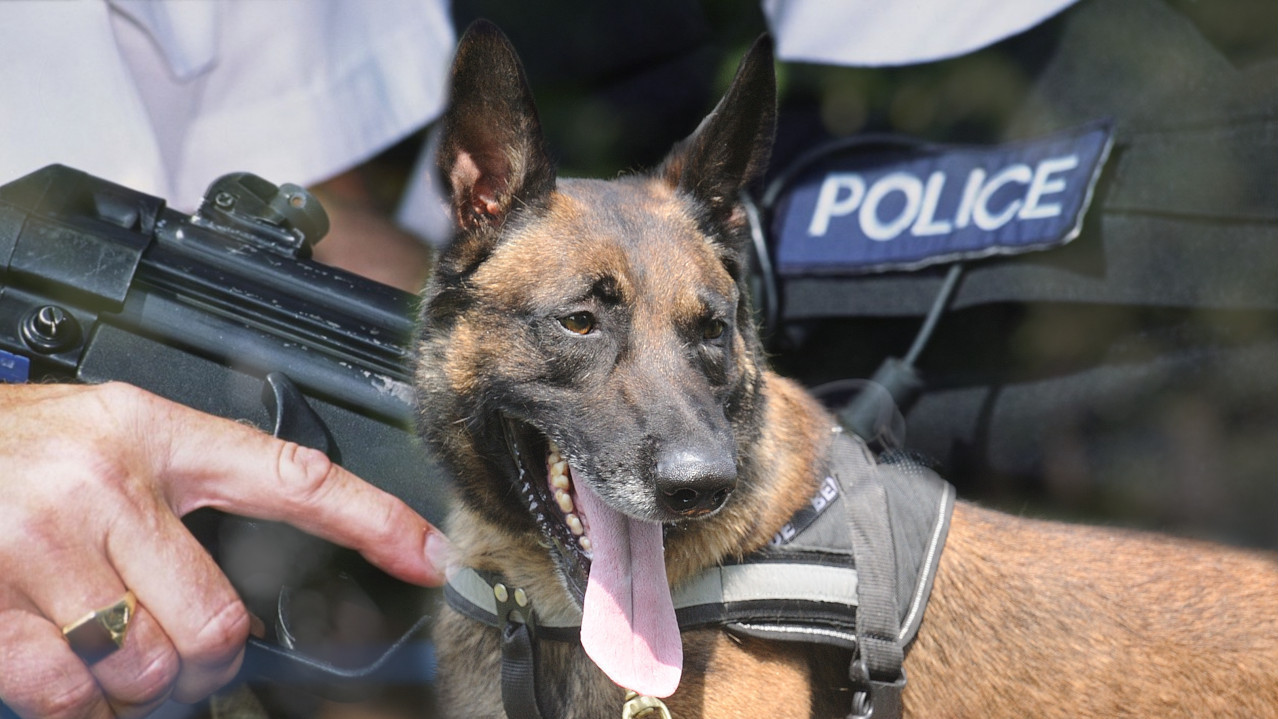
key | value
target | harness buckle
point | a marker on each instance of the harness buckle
(875, 698)
(513, 607)
(643, 707)
(880, 700)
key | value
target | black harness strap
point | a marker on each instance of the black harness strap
(518, 625)
(519, 672)
(877, 670)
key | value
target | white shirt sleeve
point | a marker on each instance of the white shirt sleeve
(897, 32)
(166, 96)
(69, 97)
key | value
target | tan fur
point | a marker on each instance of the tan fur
(1027, 618)
(1041, 619)
(715, 664)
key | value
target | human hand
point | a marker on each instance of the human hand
(94, 481)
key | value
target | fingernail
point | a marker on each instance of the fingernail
(439, 552)
(257, 627)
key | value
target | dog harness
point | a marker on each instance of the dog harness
(853, 569)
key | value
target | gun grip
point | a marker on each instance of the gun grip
(407, 659)
(410, 659)
(295, 421)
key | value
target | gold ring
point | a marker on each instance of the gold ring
(101, 632)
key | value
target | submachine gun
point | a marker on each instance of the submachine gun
(224, 311)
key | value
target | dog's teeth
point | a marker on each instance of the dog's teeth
(564, 501)
(559, 467)
(560, 481)
(574, 523)
(585, 544)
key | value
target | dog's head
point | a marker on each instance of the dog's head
(588, 364)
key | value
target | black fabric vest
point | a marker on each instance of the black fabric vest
(813, 582)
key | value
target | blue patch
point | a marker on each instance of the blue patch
(14, 369)
(899, 205)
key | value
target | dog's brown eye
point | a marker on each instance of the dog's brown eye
(579, 322)
(713, 329)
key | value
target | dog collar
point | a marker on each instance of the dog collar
(853, 568)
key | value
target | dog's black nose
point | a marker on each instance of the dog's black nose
(695, 481)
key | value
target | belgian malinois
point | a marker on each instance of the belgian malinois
(587, 349)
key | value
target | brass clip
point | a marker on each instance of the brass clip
(641, 707)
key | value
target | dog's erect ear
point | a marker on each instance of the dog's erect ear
(492, 155)
(730, 148)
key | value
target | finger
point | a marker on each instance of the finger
(40, 677)
(191, 600)
(140, 676)
(136, 677)
(244, 471)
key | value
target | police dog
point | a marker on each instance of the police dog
(590, 374)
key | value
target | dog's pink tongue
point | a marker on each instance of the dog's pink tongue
(628, 624)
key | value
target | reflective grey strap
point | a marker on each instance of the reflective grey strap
(735, 592)
(769, 581)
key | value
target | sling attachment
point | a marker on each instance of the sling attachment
(638, 706)
(876, 672)
(518, 624)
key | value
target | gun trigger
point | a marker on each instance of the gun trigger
(295, 421)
